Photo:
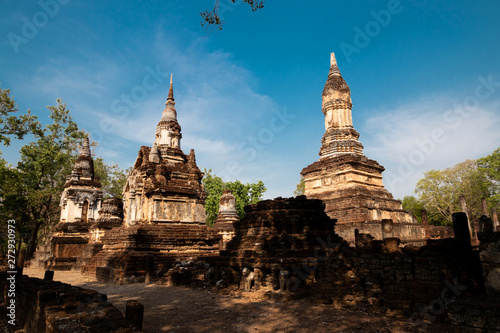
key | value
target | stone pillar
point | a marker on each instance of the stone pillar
(463, 204)
(476, 229)
(425, 224)
(49, 276)
(134, 312)
(494, 214)
(484, 205)
(461, 228)
(150, 263)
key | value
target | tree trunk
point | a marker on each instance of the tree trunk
(31, 247)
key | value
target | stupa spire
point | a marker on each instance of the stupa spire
(340, 136)
(169, 113)
(334, 69)
(85, 150)
(168, 130)
(171, 89)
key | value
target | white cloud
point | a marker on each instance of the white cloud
(435, 132)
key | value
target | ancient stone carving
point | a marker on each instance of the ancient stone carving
(247, 278)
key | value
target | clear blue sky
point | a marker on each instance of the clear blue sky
(424, 76)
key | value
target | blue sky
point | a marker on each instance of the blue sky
(424, 77)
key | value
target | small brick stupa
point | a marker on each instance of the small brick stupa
(80, 204)
(163, 205)
(227, 216)
(348, 182)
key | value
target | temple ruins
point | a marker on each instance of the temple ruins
(339, 244)
(347, 181)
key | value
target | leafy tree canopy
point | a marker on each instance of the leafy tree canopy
(490, 167)
(38, 179)
(440, 190)
(415, 207)
(112, 177)
(12, 124)
(300, 189)
(245, 194)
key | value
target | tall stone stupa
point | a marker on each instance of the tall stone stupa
(163, 208)
(164, 185)
(348, 182)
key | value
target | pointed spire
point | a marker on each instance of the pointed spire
(85, 150)
(334, 69)
(169, 113)
(171, 89)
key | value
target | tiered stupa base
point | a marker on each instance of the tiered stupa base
(68, 245)
(126, 248)
(351, 187)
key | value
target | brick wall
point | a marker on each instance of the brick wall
(48, 306)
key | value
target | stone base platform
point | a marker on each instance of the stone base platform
(126, 249)
(351, 187)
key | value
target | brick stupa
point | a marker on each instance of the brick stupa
(163, 205)
(348, 182)
(227, 216)
(80, 203)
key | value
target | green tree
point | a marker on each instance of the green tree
(490, 167)
(112, 177)
(415, 207)
(300, 189)
(14, 125)
(440, 190)
(211, 18)
(44, 164)
(39, 177)
(214, 186)
(12, 202)
(245, 194)
(412, 205)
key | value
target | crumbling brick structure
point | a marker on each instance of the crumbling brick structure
(348, 182)
(48, 306)
(274, 237)
(294, 238)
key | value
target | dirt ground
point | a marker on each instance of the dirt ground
(181, 309)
